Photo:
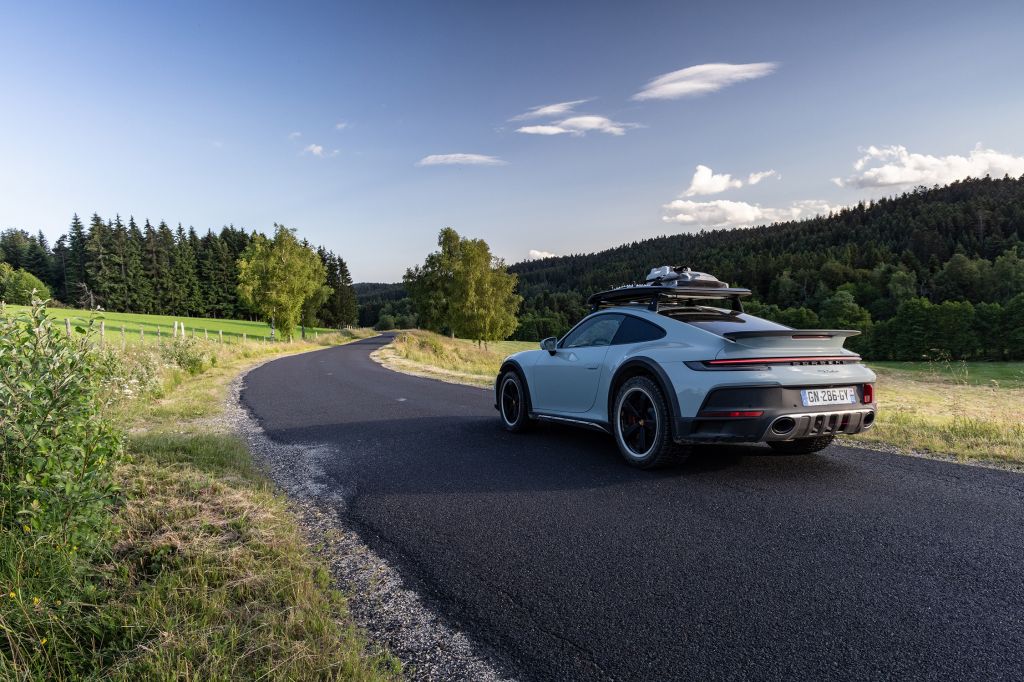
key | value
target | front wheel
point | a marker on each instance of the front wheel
(515, 414)
(641, 423)
(801, 446)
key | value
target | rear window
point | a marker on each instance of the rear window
(718, 321)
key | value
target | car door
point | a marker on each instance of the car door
(567, 380)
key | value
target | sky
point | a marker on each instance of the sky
(544, 128)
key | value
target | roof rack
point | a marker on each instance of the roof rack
(653, 296)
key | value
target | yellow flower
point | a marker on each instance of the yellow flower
(26, 528)
(12, 595)
(57, 602)
(42, 641)
(35, 601)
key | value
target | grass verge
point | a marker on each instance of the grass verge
(214, 576)
(970, 411)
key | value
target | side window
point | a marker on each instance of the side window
(635, 330)
(598, 331)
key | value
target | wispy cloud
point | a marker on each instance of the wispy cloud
(724, 213)
(535, 254)
(702, 79)
(460, 160)
(318, 150)
(295, 135)
(755, 178)
(705, 181)
(578, 126)
(895, 165)
(341, 125)
(549, 110)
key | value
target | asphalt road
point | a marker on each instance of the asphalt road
(567, 564)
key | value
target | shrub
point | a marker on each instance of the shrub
(16, 286)
(57, 457)
(385, 323)
(186, 354)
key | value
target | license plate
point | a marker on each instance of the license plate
(829, 396)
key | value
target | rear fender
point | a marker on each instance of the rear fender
(642, 365)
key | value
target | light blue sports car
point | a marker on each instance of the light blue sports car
(661, 365)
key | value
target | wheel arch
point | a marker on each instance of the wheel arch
(512, 366)
(643, 366)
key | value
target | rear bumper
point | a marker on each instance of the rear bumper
(783, 417)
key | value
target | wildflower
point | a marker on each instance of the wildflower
(42, 641)
(57, 602)
(12, 595)
(35, 601)
(26, 528)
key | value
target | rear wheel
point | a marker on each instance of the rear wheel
(801, 446)
(512, 404)
(640, 420)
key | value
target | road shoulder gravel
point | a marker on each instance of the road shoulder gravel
(392, 615)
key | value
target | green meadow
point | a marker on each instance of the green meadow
(155, 327)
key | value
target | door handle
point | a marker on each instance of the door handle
(591, 366)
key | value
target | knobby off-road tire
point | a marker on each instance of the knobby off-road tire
(801, 446)
(513, 404)
(641, 423)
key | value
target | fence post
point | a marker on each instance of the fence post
(142, 335)
(103, 331)
(244, 339)
(124, 339)
(221, 333)
(67, 325)
(175, 329)
(206, 334)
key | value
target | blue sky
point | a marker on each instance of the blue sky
(188, 112)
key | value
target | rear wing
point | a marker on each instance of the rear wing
(798, 334)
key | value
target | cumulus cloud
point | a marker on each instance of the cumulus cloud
(341, 125)
(460, 160)
(702, 79)
(534, 254)
(549, 110)
(755, 178)
(579, 126)
(318, 150)
(706, 181)
(724, 213)
(895, 165)
(294, 136)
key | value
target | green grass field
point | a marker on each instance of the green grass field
(999, 374)
(162, 326)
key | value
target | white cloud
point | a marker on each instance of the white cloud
(755, 178)
(579, 126)
(318, 150)
(294, 136)
(549, 110)
(702, 79)
(341, 125)
(895, 165)
(706, 181)
(534, 254)
(724, 213)
(460, 160)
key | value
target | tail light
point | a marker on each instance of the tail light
(811, 359)
(735, 414)
(868, 395)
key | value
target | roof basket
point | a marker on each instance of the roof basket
(671, 286)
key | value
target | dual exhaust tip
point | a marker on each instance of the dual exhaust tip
(785, 425)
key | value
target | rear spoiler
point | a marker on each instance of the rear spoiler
(800, 334)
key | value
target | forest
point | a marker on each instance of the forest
(124, 267)
(932, 273)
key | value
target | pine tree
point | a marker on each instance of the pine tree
(139, 295)
(75, 267)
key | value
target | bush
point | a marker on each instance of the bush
(385, 323)
(56, 491)
(185, 353)
(16, 286)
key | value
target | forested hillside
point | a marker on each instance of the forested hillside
(929, 272)
(125, 267)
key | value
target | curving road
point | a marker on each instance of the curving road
(567, 564)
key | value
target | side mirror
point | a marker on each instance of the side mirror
(549, 344)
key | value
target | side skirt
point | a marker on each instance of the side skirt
(597, 426)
